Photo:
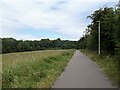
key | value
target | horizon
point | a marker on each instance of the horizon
(37, 39)
(36, 20)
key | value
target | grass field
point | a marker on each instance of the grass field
(109, 64)
(0, 72)
(37, 69)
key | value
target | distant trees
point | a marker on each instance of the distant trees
(110, 36)
(110, 30)
(13, 45)
(82, 43)
(7, 43)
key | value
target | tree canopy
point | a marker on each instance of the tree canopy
(109, 18)
(13, 45)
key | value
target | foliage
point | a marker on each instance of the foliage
(109, 59)
(109, 64)
(37, 69)
(109, 18)
(82, 43)
(13, 45)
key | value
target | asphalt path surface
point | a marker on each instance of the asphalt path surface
(82, 72)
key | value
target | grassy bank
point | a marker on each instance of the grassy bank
(38, 69)
(109, 64)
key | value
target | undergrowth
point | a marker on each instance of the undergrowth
(35, 73)
(109, 64)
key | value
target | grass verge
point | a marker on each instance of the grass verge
(109, 64)
(33, 69)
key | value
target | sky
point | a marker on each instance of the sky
(41, 19)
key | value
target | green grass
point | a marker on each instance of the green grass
(0, 72)
(109, 64)
(38, 69)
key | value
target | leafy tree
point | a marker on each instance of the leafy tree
(110, 30)
(13, 45)
(106, 16)
(9, 45)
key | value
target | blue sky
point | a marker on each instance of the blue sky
(38, 19)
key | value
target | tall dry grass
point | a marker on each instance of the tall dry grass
(37, 69)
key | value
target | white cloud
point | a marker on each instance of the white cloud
(45, 14)
(58, 0)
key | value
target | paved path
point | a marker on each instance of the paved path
(81, 72)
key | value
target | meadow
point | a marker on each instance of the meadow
(0, 72)
(35, 69)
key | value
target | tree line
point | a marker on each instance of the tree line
(13, 45)
(109, 18)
